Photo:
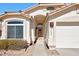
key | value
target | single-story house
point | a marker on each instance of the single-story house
(56, 22)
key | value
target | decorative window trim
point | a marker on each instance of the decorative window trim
(17, 24)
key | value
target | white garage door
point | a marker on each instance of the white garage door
(67, 35)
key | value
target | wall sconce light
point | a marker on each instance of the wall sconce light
(51, 24)
(77, 10)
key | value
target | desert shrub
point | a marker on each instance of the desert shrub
(3, 44)
(12, 44)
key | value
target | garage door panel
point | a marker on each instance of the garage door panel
(72, 44)
(67, 36)
(67, 24)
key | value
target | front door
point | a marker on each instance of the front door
(40, 32)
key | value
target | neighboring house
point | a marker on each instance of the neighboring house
(57, 23)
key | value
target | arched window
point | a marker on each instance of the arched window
(15, 29)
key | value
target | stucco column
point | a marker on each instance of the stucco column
(33, 32)
(52, 35)
(4, 30)
(27, 31)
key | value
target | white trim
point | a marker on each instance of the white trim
(15, 28)
(38, 12)
(26, 28)
(54, 34)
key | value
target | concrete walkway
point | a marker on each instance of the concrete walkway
(39, 48)
(68, 51)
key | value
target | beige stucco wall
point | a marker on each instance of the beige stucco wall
(66, 36)
(26, 30)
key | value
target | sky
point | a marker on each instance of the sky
(14, 7)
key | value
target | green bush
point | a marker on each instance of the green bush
(12, 44)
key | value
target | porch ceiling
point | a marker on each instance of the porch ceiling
(39, 19)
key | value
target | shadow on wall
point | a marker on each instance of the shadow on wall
(35, 40)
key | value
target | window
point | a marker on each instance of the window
(15, 29)
(15, 22)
